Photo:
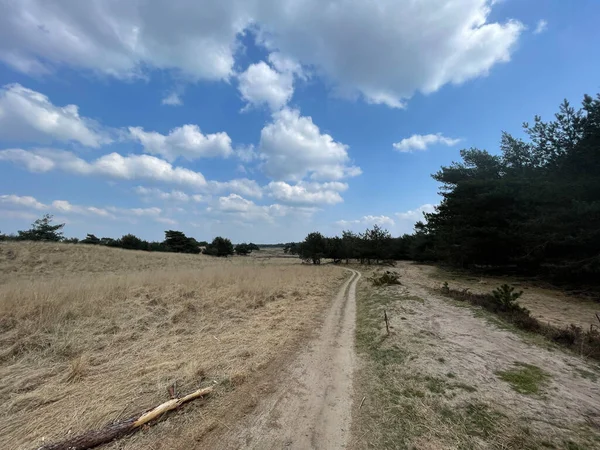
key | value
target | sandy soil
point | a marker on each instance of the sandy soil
(310, 405)
(548, 305)
(438, 338)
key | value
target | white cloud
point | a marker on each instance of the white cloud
(166, 221)
(416, 214)
(293, 147)
(172, 99)
(541, 26)
(187, 142)
(131, 167)
(387, 50)
(66, 207)
(196, 39)
(261, 85)
(383, 50)
(113, 165)
(306, 193)
(27, 115)
(25, 201)
(243, 186)
(236, 207)
(157, 194)
(421, 142)
(368, 221)
(406, 220)
(247, 153)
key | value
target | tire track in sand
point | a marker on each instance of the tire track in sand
(312, 403)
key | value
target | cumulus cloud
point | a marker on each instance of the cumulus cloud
(294, 147)
(541, 26)
(66, 208)
(27, 115)
(239, 208)
(187, 142)
(382, 50)
(261, 85)
(170, 196)
(172, 99)
(25, 201)
(113, 166)
(131, 167)
(404, 222)
(368, 221)
(306, 193)
(416, 214)
(195, 39)
(243, 186)
(422, 142)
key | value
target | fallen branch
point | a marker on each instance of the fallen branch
(387, 323)
(94, 438)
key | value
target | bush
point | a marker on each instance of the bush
(506, 297)
(219, 247)
(242, 249)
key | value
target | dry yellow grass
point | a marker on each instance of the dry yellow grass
(91, 334)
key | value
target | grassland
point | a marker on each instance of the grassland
(90, 334)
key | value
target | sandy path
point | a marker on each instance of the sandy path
(310, 407)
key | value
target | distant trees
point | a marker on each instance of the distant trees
(132, 242)
(91, 239)
(43, 230)
(220, 246)
(291, 248)
(178, 242)
(245, 249)
(373, 246)
(175, 241)
(314, 248)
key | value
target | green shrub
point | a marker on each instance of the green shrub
(506, 297)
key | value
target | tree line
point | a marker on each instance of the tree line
(374, 245)
(44, 229)
(533, 209)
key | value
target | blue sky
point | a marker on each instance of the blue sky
(263, 120)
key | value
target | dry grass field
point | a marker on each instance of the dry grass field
(92, 334)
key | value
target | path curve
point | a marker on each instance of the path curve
(312, 402)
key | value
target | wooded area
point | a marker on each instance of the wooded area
(533, 209)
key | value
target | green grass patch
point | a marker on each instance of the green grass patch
(525, 378)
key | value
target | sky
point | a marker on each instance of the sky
(264, 120)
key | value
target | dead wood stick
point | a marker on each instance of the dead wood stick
(362, 401)
(94, 438)
(387, 323)
(597, 317)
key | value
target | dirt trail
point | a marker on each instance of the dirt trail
(311, 405)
